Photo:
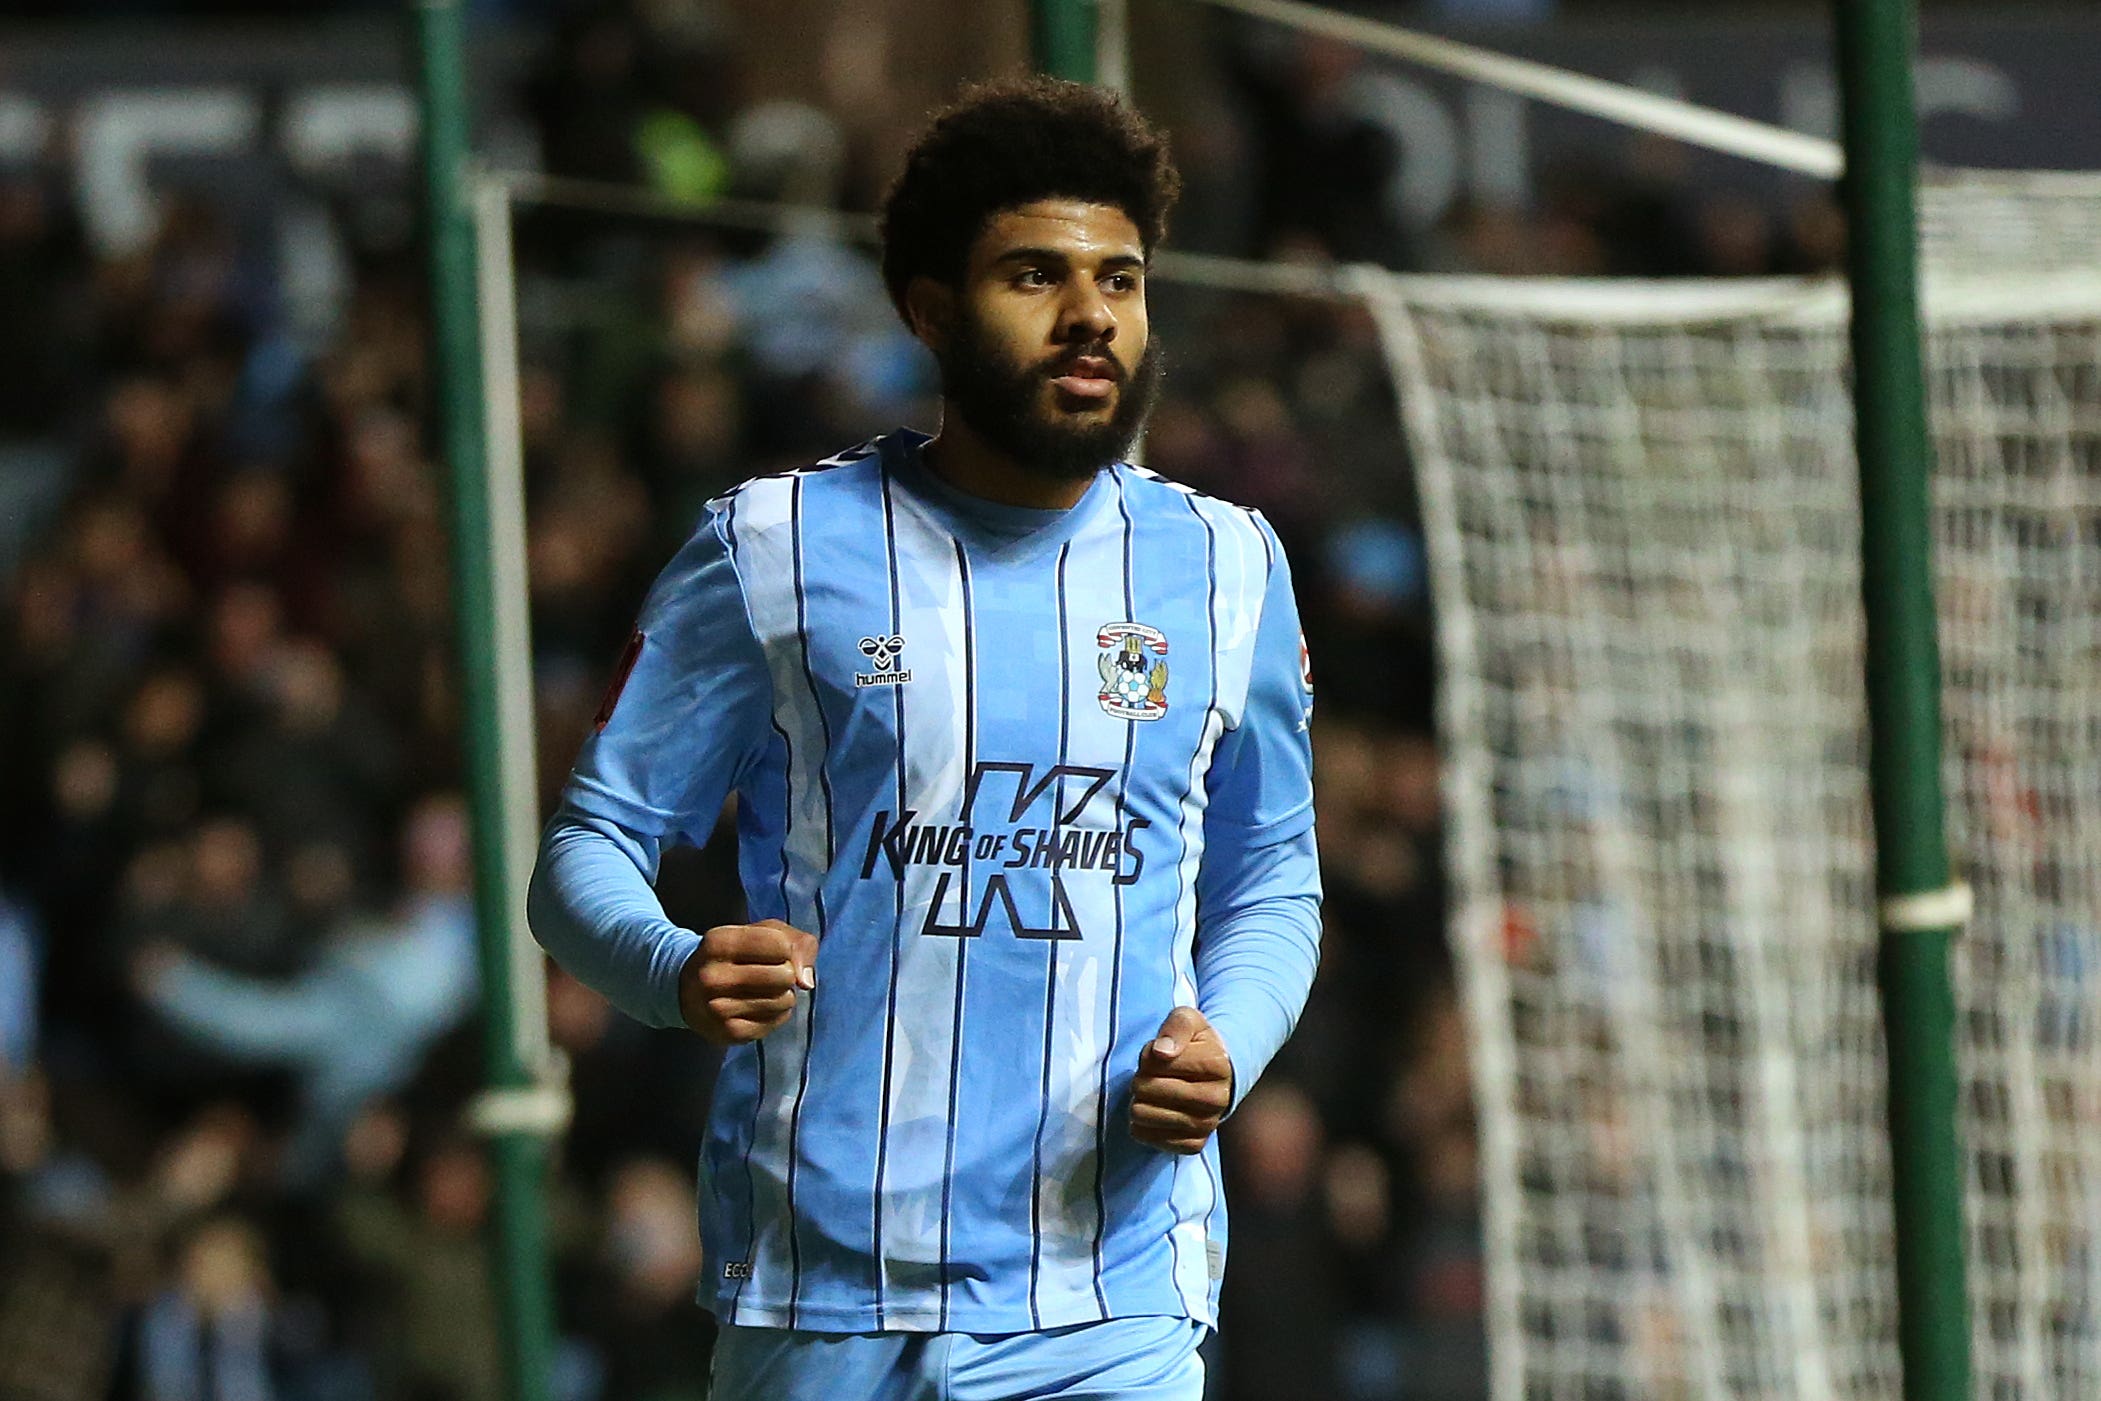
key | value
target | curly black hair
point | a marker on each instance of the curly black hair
(1011, 142)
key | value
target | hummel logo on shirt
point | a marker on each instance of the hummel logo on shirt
(882, 652)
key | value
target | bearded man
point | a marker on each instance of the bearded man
(1018, 734)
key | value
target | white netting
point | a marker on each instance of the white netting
(1643, 518)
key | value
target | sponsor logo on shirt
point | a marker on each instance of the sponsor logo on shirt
(1133, 664)
(882, 653)
(985, 846)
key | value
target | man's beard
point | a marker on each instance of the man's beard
(1003, 403)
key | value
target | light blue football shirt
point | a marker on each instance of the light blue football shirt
(1034, 778)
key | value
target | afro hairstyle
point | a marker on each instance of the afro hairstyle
(1008, 143)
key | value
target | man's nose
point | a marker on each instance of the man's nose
(1086, 315)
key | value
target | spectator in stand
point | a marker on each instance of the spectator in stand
(1325, 166)
(656, 1343)
(1281, 1300)
(207, 1335)
(316, 765)
(80, 1240)
(356, 1025)
(42, 267)
(431, 1258)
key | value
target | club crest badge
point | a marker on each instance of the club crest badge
(1133, 664)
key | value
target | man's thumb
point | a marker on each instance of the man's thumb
(1181, 1024)
(802, 948)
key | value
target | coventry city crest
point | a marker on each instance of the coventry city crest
(1134, 670)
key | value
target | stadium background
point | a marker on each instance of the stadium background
(236, 971)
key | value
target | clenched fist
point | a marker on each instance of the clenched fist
(1184, 1084)
(741, 982)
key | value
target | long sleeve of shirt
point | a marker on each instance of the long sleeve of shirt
(593, 909)
(687, 713)
(1258, 890)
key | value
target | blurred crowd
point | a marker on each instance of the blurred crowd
(238, 990)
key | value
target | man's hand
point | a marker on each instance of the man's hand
(741, 982)
(1184, 1084)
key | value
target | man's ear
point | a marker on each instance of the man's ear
(930, 308)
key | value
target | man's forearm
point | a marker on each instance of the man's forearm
(592, 907)
(1254, 969)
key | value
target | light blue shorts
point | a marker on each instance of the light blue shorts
(1124, 1359)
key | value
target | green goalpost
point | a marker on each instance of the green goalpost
(1921, 905)
(525, 1103)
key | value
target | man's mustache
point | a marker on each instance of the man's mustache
(1069, 363)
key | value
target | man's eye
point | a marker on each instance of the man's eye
(1032, 277)
(1120, 281)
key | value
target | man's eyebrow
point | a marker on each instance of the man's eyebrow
(1118, 261)
(1032, 255)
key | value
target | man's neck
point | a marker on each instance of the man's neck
(962, 458)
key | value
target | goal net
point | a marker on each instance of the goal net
(1642, 509)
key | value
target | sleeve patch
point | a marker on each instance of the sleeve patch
(629, 655)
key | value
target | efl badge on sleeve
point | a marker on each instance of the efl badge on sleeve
(1134, 670)
(629, 655)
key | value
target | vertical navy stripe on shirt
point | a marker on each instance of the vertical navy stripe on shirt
(1050, 986)
(758, 1101)
(1202, 729)
(1211, 557)
(751, 1190)
(802, 1088)
(1101, 1126)
(824, 724)
(831, 851)
(955, 1060)
(882, 1141)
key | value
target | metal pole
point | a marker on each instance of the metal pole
(507, 1113)
(510, 621)
(1062, 38)
(1112, 45)
(1921, 906)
